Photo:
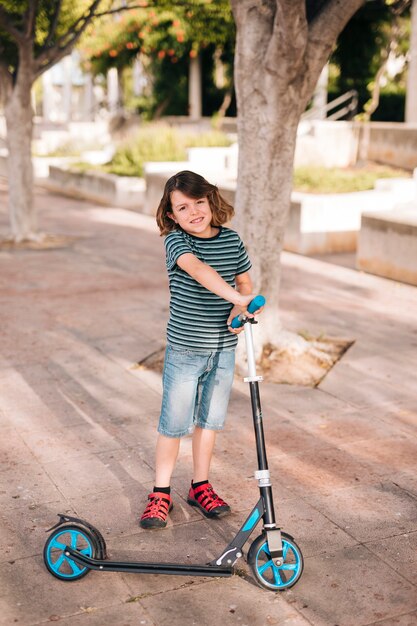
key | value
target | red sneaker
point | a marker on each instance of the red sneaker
(157, 509)
(207, 500)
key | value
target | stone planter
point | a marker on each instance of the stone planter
(108, 189)
(329, 223)
(388, 244)
(317, 224)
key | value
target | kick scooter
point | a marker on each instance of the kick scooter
(75, 547)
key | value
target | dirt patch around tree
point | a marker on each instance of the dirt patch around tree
(280, 366)
(153, 362)
(308, 368)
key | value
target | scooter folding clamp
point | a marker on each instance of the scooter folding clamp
(263, 477)
(253, 379)
(232, 558)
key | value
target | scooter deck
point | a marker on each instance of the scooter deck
(147, 568)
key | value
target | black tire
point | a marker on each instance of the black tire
(266, 573)
(61, 566)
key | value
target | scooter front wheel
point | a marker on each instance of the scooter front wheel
(77, 538)
(269, 575)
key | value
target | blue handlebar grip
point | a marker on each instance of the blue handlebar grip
(254, 305)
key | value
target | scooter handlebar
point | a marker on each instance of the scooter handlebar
(253, 306)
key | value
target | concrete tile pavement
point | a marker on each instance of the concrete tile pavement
(77, 433)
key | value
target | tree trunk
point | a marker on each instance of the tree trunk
(19, 122)
(221, 113)
(263, 200)
(269, 108)
(411, 98)
(320, 94)
(278, 59)
(195, 104)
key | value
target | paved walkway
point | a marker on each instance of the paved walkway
(77, 433)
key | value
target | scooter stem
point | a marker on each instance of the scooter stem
(262, 475)
(250, 353)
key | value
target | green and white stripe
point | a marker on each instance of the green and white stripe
(197, 316)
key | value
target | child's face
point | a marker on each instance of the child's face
(192, 214)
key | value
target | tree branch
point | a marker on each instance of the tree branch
(55, 52)
(6, 81)
(371, 106)
(323, 32)
(67, 40)
(49, 61)
(128, 8)
(49, 55)
(242, 8)
(400, 6)
(54, 23)
(287, 46)
(84, 19)
(4, 70)
(7, 25)
(329, 23)
(30, 19)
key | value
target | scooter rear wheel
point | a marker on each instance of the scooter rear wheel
(269, 575)
(77, 538)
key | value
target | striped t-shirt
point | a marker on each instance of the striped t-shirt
(198, 318)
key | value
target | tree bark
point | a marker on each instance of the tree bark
(16, 80)
(263, 198)
(278, 60)
(195, 104)
(19, 123)
(267, 90)
(411, 98)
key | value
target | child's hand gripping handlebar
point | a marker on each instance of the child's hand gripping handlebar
(253, 306)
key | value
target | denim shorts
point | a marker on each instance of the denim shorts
(196, 390)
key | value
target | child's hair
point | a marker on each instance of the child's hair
(194, 186)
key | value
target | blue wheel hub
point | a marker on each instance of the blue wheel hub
(57, 562)
(279, 576)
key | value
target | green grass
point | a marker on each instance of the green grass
(155, 142)
(342, 180)
(84, 167)
(159, 143)
(152, 142)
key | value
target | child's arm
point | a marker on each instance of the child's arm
(244, 287)
(244, 283)
(211, 280)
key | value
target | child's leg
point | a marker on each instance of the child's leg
(209, 419)
(166, 456)
(180, 380)
(202, 494)
(203, 446)
(159, 501)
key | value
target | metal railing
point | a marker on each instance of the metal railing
(348, 103)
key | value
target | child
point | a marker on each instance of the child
(209, 285)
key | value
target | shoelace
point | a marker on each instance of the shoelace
(211, 495)
(154, 506)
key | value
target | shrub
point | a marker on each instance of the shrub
(311, 179)
(159, 143)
